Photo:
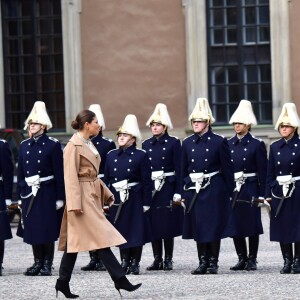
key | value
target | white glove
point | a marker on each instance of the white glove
(20, 202)
(176, 197)
(59, 204)
(145, 208)
(8, 202)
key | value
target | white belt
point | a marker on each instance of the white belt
(1, 178)
(198, 178)
(159, 178)
(122, 187)
(240, 178)
(34, 182)
(285, 181)
(100, 176)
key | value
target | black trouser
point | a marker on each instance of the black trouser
(241, 246)
(209, 250)
(168, 245)
(131, 253)
(109, 260)
(287, 250)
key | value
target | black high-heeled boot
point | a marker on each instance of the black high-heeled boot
(63, 286)
(124, 284)
(296, 262)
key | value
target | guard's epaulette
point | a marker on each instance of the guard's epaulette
(53, 139)
(187, 137)
(275, 141)
(257, 138)
(220, 135)
(231, 138)
(107, 139)
(147, 139)
(112, 150)
(4, 141)
(173, 136)
(24, 141)
(141, 149)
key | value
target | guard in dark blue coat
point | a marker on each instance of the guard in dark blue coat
(6, 187)
(128, 174)
(208, 180)
(283, 185)
(166, 218)
(41, 186)
(249, 156)
(103, 145)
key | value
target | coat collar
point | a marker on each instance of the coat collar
(161, 140)
(244, 140)
(40, 141)
(85, 151)
(128, 150)
(204, 137)
(293, 142)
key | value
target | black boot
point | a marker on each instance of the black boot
(48, 259)
(35, 269)
(296, 263)
(136, 254)
(125, 260)
(203, 261)
(1, 255)
(100, 266)
(157, 253)
(63, 286)
(213, 250)
(135, 267)
(99, 263)
(92, 264)
(253, 249)
(287, 254)
(124, 284)
(241, 250)
(169, 246)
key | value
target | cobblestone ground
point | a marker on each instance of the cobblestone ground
(265, 283)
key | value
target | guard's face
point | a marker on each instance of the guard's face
(286, 131)
(157, 129)
(93, 127)
(35, 129)
(241, 128)
(125, 139)
(199, 126)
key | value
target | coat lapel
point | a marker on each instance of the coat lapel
(86, 152)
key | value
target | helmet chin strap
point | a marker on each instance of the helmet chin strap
(204, 130)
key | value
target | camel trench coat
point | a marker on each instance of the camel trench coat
(89, 230)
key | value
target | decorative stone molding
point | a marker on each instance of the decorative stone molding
(196, 51)
(71, 10)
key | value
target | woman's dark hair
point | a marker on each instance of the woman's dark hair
(83, 117)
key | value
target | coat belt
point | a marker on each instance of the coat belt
(240, 178)
(198, 179)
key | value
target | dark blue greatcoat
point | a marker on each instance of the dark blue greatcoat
(207, 221)
(43, 157)
(249, 155)
(132, 164)
(284, 159)
(103, 145)
(6, 186)
(164, 155)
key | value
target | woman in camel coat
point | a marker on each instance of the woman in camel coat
(84, 226)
